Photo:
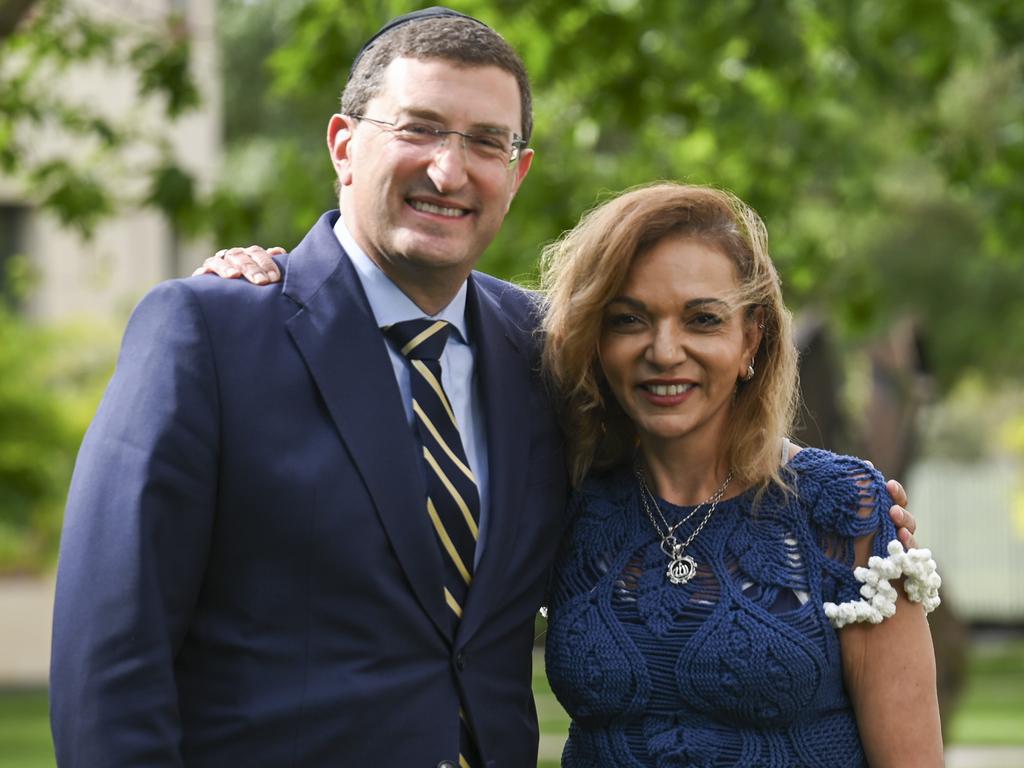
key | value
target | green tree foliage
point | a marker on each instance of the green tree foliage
(66, 152)
(72, 179)
(882, 142)
(50, 381)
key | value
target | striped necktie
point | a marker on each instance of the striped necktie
(453, 499)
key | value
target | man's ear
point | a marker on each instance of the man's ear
(522, 168)
(339, 144)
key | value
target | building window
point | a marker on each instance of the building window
(13, 242)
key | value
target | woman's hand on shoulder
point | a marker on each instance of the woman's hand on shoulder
(254, 263)
(905, 523)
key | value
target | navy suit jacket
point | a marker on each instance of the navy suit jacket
(247, 576)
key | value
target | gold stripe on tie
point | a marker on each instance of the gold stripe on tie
(452, 603)
(447, 542)
(440, 441)
(456, 496)
(436, 386)
(422, 336)
(463, 762)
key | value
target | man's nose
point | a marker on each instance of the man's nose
(448, 166)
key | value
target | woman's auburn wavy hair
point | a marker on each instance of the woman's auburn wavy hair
(586, 268)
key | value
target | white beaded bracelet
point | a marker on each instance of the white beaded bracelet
(921, 584)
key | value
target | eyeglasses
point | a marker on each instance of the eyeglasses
(490, 144)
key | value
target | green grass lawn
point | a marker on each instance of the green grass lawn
(554, 723)
(992, 711)
(24, 730)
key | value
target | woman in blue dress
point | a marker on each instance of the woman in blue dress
(723, 597)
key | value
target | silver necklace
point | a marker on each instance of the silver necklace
(681, 566)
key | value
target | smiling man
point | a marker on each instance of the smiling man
(423, 200)
(311, 524)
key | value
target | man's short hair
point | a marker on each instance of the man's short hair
(464, 42)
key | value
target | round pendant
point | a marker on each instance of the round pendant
(681, 569)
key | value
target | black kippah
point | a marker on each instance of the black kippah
(433, 12)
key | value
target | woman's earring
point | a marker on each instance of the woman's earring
(750, 371)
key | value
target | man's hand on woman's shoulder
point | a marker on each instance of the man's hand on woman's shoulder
(254, 263)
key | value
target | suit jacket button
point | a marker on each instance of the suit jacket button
(460, 661)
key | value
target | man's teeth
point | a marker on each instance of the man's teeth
(437, 209)
(668, 390)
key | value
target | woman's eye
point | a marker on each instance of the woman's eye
(706, 320)
(624, 320)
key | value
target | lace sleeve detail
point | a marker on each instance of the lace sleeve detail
(921, 583)
(849, 511)
(848, 500)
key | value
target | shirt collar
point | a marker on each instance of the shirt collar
(387, 301)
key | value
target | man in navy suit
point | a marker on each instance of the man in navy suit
(248, 575)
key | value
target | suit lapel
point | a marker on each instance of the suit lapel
(503, 372)
(335, 332)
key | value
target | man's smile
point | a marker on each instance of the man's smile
(438, 210)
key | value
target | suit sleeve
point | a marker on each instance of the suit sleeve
(136, 535)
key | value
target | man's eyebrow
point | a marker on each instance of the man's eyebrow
(422, 113)
(425, 113)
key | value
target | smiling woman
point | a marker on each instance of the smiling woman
(707, 606)
(673, 347)
(702, 255)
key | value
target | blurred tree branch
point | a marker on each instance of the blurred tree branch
(11, 14)
(73, 173)
(882, 142)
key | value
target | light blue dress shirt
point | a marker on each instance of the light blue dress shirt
(458, 372)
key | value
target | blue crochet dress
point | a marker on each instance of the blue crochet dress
(738, 667)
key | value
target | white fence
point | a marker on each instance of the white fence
(972, 518)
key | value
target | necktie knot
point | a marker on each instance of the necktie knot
(419, 339)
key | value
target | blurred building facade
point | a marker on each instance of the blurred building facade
(102, 277)
(134, 249)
